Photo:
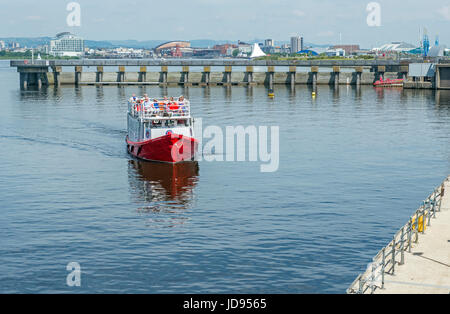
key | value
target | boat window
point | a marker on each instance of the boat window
(156, 124)
(171, 123)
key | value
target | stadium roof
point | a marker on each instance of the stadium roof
(308, 51)
(396, 47)
(173, 44)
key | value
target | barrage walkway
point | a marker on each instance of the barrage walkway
(417, 260)
(427, 267)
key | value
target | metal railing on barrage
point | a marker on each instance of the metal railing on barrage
(393, 254)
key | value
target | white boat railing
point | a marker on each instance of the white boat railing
(160, 109)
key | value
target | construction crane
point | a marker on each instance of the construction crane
(425, 43)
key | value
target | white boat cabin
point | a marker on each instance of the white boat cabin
(152, 118)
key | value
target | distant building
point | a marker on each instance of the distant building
(285, 48)
(421, 72)
(296, 44)
(339, 52)
(363, 52)
(206, 53)
(2, 45)
(225, 49)
(244, 48)
(127, 53)
(308, 52)
(437, 51)
(349, 49)
(269, 46)
(43, 48)
(67, 45)
(269, 43)
(257, 52)
(231, 50)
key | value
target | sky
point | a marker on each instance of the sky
(318, 21)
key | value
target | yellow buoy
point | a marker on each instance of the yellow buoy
(313, 94)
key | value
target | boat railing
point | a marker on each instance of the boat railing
(162, 110)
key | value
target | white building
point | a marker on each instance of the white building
(67, 45)
(296, 44)
(339, 52)
(244, 49)
(257, 52)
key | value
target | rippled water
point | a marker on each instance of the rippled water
(354, 164)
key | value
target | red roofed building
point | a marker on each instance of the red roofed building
(223, 48)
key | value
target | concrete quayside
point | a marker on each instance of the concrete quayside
(417, 260)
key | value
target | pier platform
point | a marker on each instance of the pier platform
(417, 260)
(427, 267)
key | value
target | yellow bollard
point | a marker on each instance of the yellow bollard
(422, 226)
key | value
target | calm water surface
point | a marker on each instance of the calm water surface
(354, 164)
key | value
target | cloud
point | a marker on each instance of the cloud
(445, 12)
(34, 18)
(298, 13)
(326, 34)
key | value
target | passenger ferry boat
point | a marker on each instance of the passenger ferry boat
(161, 130)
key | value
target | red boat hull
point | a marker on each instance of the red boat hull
(389, 83)
(171, 148)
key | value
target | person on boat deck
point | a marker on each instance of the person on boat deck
(162, 105)
(147, 100)
(155, 104)
(147, 104)
(138, 105)
(174, 106)
(133, 98)
(182, 104)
